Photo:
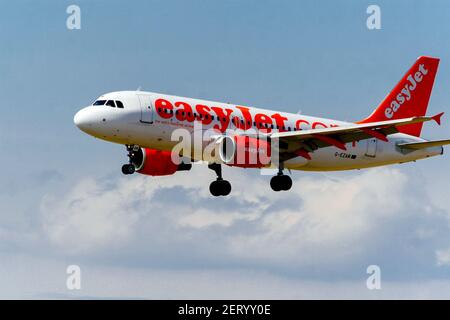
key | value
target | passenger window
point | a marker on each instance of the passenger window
(99, 102)
(111, 103)
(119, 104)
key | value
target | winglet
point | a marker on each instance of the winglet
(437, 118)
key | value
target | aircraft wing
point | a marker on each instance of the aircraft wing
(300, 143)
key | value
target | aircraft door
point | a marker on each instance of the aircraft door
(146, 108)
(371, 148)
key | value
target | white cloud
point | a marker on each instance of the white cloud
(89, 216)
(325, 217)
(443, 257)
(25, 277)
(95, 214)
(330, 224)
(204, 218)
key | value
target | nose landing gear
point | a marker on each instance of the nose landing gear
(219, 187)
(130, 168)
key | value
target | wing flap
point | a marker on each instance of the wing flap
(354, 128)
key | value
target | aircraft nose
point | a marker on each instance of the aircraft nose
(83, 119)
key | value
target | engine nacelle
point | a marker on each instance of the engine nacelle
(243, 151)
(154, 162)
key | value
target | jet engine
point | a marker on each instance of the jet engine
(243, 151)
(154, 162)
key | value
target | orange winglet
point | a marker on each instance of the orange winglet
(303, 153)
(330, 141)
(438, 117)
(375, 134)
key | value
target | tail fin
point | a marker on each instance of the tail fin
(410, 96)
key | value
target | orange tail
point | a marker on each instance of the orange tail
(410, 96)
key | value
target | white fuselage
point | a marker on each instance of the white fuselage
(149, 120)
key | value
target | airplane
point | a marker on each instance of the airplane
(248, 137)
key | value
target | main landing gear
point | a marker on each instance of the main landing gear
(130, 168)
(281, 182)
(219, 187)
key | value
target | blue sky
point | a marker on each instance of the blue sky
(60, 189)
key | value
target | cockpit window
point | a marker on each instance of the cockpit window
(99, 102)
(111, 103)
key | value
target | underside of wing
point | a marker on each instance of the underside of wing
(301, 143)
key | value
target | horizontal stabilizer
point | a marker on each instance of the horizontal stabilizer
(423, 145)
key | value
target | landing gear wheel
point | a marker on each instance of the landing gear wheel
(281, 183)
(220, 188)
(286, 183)
(225, 187)
(213, 188)
(128, 169)
(275, 183)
